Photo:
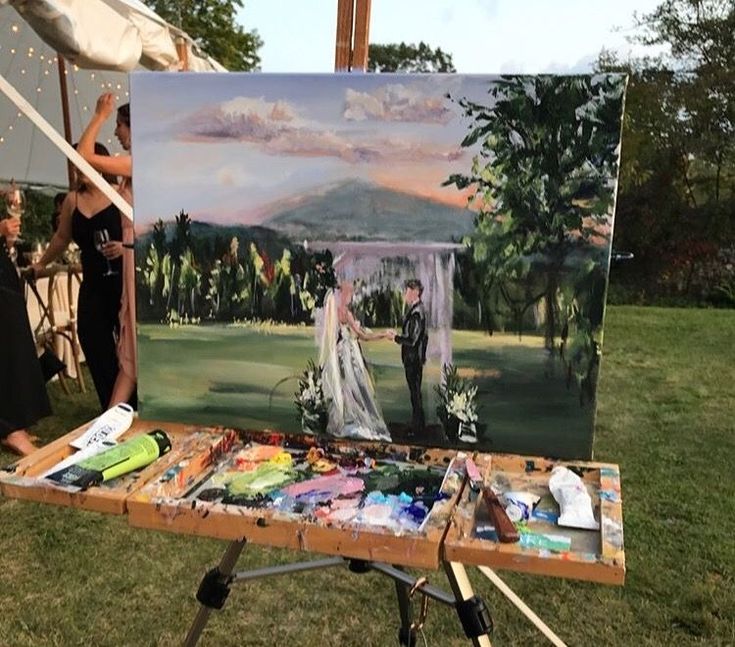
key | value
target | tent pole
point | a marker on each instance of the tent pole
(65, 114)
(182, 53)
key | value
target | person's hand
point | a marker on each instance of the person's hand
(390, 334)
(35, 269)
(105, 105)
(112, 250)
(10, 227)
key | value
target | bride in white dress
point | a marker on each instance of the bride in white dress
(353, 412)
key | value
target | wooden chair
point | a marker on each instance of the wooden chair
(61, 311)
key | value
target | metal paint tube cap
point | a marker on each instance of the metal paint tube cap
(162, 440)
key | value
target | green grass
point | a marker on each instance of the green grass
(246, 378)
(666, 416)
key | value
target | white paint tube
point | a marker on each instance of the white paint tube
(574, 501)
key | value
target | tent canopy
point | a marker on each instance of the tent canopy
(101, 40)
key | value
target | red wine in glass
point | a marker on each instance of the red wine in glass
(101, 238)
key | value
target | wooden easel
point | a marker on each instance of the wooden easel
(351, 55)
(124, 498)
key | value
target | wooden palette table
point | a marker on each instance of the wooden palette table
(163, 497)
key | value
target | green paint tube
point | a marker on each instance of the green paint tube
(116, 461)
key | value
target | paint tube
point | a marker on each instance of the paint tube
(545, 541)
(126, 457)
(574, 501)
(519, 505)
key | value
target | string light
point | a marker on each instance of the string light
(45, 61)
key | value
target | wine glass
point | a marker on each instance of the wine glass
(101, 238)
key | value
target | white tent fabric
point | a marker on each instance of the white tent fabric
(100, 35)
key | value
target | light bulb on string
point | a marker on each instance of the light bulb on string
(14, 28)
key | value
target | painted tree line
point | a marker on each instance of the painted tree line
(184, 278)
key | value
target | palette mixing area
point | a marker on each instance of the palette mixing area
(378, 502)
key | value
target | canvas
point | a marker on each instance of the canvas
(416, 259)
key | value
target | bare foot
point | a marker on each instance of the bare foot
(19, 442)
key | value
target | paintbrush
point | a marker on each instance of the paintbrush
(504, 527)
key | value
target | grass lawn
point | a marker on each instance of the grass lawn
(523, 408)
(666, 415)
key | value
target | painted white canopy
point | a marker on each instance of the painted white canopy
(101, 41)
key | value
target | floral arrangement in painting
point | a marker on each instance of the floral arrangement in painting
(457, 408)
(319, 278)
(311, 402)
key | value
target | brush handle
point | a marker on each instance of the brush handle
(504, 528)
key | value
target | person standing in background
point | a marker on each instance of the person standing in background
(85, 211)
(125, 385)
(23, 397)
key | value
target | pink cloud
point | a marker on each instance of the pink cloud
(395, 102)
(278, 130)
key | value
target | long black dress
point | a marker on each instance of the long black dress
(23, 398)
(98, 320)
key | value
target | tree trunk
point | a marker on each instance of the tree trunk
(551, 288)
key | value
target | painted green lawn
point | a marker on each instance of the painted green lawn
(246, 378)
(666, 415)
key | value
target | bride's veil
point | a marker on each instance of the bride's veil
(328, 358)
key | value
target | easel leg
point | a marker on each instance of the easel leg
(406, 635)
(218, 578)
(522, 607)
(472, 611)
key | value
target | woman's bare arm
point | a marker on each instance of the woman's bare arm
(62, 237)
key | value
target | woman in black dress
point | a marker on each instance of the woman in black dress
(84, 212)
(23, 398)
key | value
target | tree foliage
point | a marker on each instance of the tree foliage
(212, 24)
(542, 180)
(676, 208)
(408, 58)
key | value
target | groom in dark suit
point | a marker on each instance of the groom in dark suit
(413, 340)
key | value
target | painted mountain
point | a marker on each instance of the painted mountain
(359, 211)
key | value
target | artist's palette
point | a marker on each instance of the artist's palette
(378, 502)
(545, 547)
(366, 501)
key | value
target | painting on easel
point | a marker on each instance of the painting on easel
(415, 259)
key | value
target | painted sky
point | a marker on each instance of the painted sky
(235, 148)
